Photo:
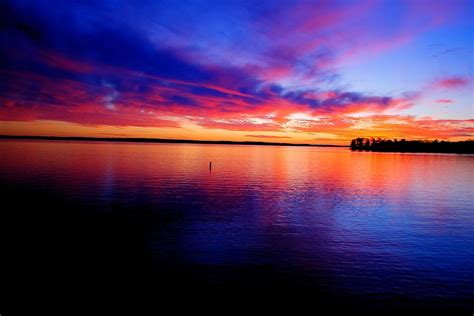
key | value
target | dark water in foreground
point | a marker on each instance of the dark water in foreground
(350, 230)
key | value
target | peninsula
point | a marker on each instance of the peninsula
(388, 145)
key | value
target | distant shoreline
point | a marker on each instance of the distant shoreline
(412, 146)
(163, 140)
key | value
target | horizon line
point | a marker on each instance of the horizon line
(164, 140)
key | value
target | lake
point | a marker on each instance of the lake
(368, 230)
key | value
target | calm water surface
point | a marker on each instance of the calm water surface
(348, 223)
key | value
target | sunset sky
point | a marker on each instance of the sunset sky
(287, 71)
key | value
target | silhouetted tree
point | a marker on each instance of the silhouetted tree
(379, 144)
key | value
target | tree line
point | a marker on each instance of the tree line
(403, 145)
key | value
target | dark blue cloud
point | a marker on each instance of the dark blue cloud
(178, 99)
(88, 38)
(163, 53)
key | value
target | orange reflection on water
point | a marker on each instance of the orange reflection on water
(380, 218)
(274, 177)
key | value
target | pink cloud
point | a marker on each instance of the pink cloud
(453, 82)
(444, 101)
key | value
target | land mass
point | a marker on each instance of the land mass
(388, 145)
(357, 144)
(161, 140)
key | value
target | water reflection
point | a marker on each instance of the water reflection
(347, 222)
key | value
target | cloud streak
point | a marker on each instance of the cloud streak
(454, 82)
(238, 67)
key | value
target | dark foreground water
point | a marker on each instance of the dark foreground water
(298, 226)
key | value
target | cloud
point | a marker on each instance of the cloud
(391, 126)
(267, 136)
(453, 82)
(224, 65)
(444, 101)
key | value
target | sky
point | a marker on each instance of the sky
(317, 72)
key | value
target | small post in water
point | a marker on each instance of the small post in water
(210, 165)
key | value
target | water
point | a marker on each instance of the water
(379, 227)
